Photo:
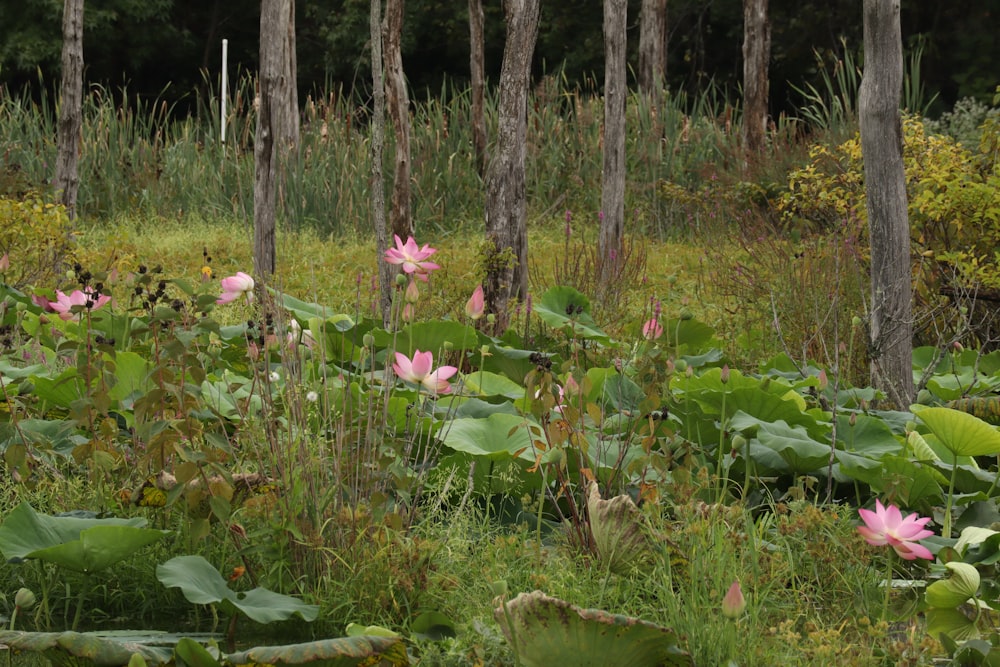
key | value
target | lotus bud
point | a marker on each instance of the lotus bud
(4, 263)
(739, 442)
(686, 314)
(853, 420)
(24, 599)
(368, 340)
(412, 292)
(855, 321)
(734, 603)
(681, 365)
(448, 346)
(724, 374)
(400, 280)
(824, 382)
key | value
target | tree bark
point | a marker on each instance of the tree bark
(891, 326)
(652, 48)
(756, 57)
(67, 179)
(506, 197)
(385, 269)
(612, 230)
(273, 125)
(477, 70)
(398, 100)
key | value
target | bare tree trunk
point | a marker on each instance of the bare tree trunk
(891, 327)
(67, 179)
(291, 72)
(398, 100)
(477, 69)
(506, 197)
(385, 269)
(609, 247)
(272, 131)
(756, 57)
(652, 48)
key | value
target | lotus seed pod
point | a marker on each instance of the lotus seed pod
(368, 340)
(686, 314)
(855, 321)
(681, 365)
(401, 280)
(24, 599)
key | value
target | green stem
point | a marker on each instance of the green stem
(723, 478)
(946, 528)
(79, 603)
(888, 587)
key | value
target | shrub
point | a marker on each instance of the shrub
(37, 236)
(953, 208)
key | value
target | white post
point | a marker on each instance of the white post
(225, 86)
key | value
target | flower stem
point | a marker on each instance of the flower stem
(888, 587)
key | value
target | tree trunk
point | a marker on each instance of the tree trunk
(67, 179)
(609, 249)
(652, 48)
(385, 269)
(506, 197)
(291, 72)
(272, 130)
(891, 327)
(398, 101)
(756, 56)
(477, 69)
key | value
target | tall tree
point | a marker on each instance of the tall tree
(477, 71)
(398, 101)
(756, 56)
(273, 123)
(891, 325)
(506, 196)
(67, 179)
(652, 47)
(612, 230)
(385, 269)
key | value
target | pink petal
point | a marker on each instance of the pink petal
(874, 538)
(403, 367)
(422, 363)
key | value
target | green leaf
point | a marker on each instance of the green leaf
(554, 308)
(498, 436)
(956, 589)
(99, 547)
(194, 654)
(24, 531)
(433, 625)
(952, 623)
(485, 383)
(202, 584)
(961, 433)
(546, 631)
(81, 649)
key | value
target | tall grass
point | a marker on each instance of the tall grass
(146, 158)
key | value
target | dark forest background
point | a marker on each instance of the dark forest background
(167, 49)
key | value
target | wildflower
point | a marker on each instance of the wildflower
(86, 298)
(412, 258)
(4, 263)
(476, 305)
(652, 329)
(234, 286)
(312, 396)
(274, 376)
(734, 603)
(418, 371)
(886, 525)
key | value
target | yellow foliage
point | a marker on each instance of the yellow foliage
(37, 236)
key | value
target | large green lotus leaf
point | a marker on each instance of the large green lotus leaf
(24, 531)
(961, 433)
(796, 447)
(548, 631)
(911, 481)
(79, 649)
(762, 405)
(59, 391)
(429, 336)
(485, 383)
(131, 375)
(556, 304)
(951, 622)
(99, 547)
(202, 584)
(694, 334)
(869, 435)
(498, 436)
(609, 387)
(364, 650)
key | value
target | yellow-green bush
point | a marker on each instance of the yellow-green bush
(954, 207)
(37, 236)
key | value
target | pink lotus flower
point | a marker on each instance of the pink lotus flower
(476, 305)
(86, 298)
(234, 286)
(734, 603)
(652, 329)
(412, 258)
(4, 263)
(886, 525)
(418, 371)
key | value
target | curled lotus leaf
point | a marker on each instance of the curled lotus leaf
(620, 531)
(367, 650)
(84, 649)
(547, 631)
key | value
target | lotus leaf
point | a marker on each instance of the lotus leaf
(547, 631)
(620, 533)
